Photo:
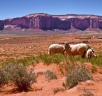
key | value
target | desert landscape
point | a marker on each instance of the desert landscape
(50, 48)
(20, 47)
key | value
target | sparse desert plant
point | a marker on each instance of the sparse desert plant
(20, 76)
(94, 68)
(75, 75)
(97, 61)
(57, 58)
(26, 61)
(87, 93)
(3, 77)
(7, 61)
(44, 58)
(47, 59)
(57, 90)
(50, 75)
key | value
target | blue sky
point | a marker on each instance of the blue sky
(19, 8)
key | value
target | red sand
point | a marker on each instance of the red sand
(12, 48)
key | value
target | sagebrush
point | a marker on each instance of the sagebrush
(77, 74)
(18, 75)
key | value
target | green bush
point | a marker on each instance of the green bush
(75, 75)
(57, 90)
(50, 75)
(20, 76)
(3, 77)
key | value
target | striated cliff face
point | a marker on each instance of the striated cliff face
(1, 25)
(50, 22)
(81, 24)
(22, 22)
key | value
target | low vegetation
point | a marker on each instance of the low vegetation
(56, 58)
(57, 90)
(87, 93)
(3, 77)
(18, 75)
(50, 75)
(23, 78)
(75, 74)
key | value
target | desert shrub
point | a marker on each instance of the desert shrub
(57, 90)
(20, 76)
(3, 77)
(75, 75)
(50, 75)
(94, 68)
(87, 93)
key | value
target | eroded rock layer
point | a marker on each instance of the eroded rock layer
(50, 22)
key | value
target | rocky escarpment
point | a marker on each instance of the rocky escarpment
(1, 25)
(50, 22)
(39, 21)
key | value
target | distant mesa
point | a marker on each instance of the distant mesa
(50, 22)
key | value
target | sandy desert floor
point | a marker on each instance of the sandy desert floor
(20, 47)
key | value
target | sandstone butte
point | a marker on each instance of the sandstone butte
(49, 22)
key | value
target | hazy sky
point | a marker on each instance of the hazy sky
(19, 8)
